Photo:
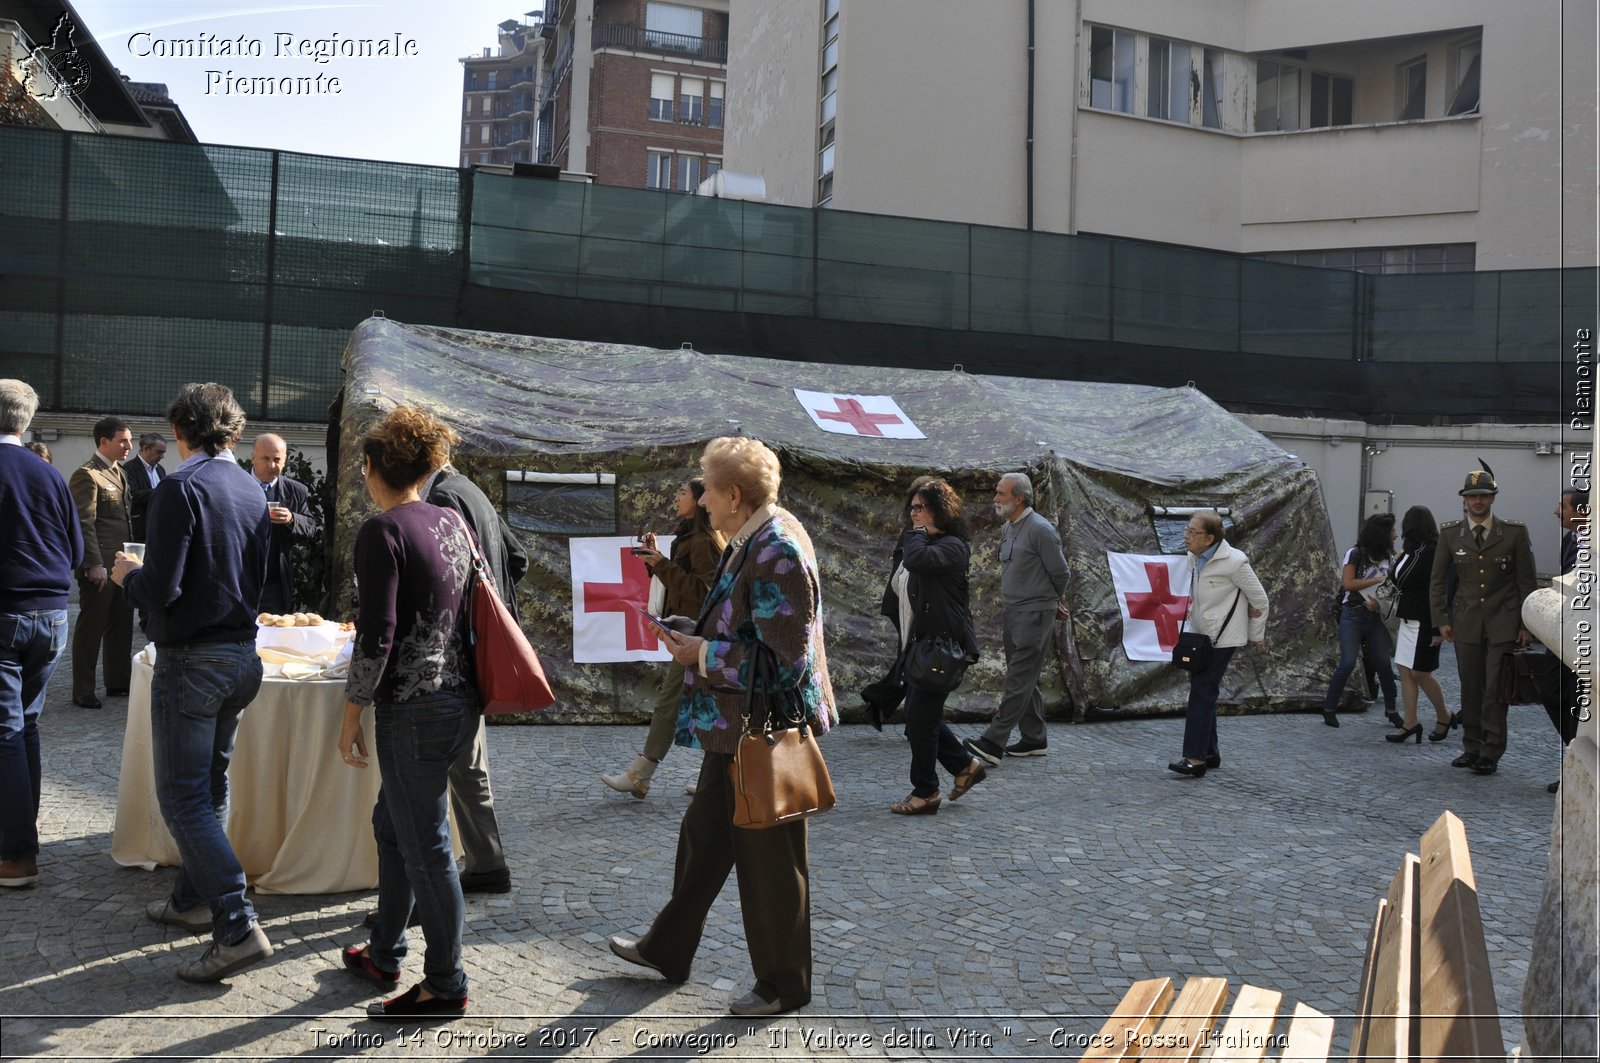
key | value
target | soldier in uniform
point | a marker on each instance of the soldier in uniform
(1493, 562)
(105, 620)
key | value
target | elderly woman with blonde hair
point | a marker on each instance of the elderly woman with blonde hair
(766, 591)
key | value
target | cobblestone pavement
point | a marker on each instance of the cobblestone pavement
(1007, 925)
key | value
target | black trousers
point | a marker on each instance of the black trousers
(931, 741)
(774, 891)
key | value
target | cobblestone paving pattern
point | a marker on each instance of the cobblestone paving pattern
(1006, 926)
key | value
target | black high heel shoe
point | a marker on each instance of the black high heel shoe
(1455, 720)
(1439, 733)
(1410, 732)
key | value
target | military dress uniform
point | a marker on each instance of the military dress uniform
(100, 489)
(1494, 574)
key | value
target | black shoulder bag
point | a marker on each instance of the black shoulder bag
(1193, 650)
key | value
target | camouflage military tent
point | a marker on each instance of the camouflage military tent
(1100, 455)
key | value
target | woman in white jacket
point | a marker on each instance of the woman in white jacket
(1228, 604)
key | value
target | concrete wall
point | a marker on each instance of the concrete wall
(774, 48)
(1425, 466)
(932, 103)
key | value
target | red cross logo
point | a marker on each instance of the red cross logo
(1159, 605)
(634, 590)
(852, 413)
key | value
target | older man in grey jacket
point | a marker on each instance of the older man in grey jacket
(1033, 578)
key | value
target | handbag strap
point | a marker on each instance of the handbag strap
(480, 567)
(1194, 575)
(781, 701)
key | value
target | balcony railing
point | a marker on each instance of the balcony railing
(616, 35)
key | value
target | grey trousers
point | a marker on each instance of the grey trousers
(1027, 638)
(473, 804)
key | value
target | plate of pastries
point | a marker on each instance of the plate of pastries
(290, 620)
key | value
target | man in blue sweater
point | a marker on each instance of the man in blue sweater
(205, 564)
(40, 546)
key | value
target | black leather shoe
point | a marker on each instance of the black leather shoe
(1213, 761)
(87, 701)
(409, 1005)
(1394, 718)
(1553, 788)
(1484, 767)
(1330, 719)
(121, 692)
(1465, 760)
(486, 881)
(1183, 767)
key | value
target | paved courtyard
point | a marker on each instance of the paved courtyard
(1006, 926)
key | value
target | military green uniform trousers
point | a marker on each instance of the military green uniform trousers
(1483, 714)
(774, 891)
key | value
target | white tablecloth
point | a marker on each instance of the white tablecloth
(300, 819)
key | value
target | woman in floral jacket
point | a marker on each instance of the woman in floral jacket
(765, 591)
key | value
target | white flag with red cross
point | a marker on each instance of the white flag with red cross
(858, 415)
(610, 587)
(1153, 594)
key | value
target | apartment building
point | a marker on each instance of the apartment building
(55, 75)
(635, 91)
(1433, 135)
(498, 93)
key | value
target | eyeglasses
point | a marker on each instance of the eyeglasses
(918, 507)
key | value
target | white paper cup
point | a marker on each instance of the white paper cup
(135, 550)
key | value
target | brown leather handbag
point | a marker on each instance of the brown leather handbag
(778, 774)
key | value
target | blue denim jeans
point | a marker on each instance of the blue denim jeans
(416, 741)
(1359, 625)
(196, 696)
(30, 645)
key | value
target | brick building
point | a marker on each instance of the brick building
(634, 92)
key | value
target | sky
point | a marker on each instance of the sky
(405, 109)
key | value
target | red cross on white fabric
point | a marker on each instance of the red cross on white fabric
(627, 598)
(852, 413)
(1159, 604)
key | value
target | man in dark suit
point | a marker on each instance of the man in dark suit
(1561, 696)
(1493, 561)
(289, 507)
(105, 620)
(143, 472)
(470, 795)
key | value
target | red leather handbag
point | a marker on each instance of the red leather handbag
(510, 677)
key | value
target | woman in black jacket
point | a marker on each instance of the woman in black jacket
(883, 696)
(931, 585)
(1416, 651)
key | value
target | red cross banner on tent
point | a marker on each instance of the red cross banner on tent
(607, 582)
(1152, 610)
(858, 415)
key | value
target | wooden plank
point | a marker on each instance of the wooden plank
(1191, 1023)
(1459, 1017)
(1247, 1034)
(1121, 1039)
(1369, 969)
(1389, 1014)
(1310, 1037)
